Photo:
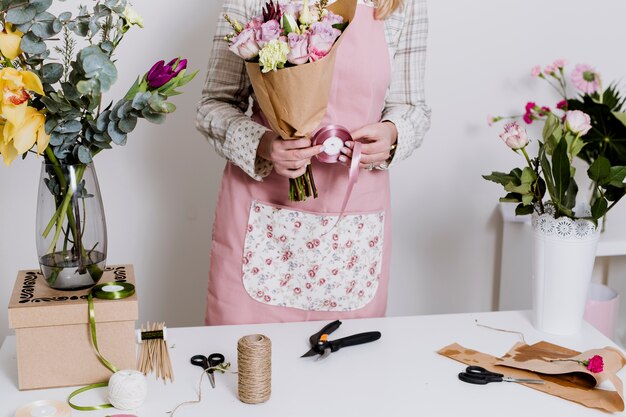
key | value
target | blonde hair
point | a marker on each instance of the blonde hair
(384, 8)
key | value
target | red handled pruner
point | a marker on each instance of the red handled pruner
(320, 345)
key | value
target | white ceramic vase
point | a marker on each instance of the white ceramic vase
(563, 255)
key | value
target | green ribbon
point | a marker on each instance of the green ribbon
(105, 291)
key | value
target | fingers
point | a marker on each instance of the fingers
(290, 173)
(376, 160)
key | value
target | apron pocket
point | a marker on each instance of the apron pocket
(297, 259)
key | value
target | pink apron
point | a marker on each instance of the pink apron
(273, 260)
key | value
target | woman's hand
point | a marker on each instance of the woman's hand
(377, 140)
(290, 157)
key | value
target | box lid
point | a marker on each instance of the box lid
(34, 304)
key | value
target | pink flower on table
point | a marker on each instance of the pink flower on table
(577, 122)
(269, 31)
(562, 105)
(514, 136)
(559, 63)
(299, 48)
(535, 71)
(586, 79)
(245, 44)
(595, 364)
(323, 37)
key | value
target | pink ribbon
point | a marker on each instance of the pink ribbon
(330, 136)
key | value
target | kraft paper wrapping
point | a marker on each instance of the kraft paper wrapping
(565, 379)
(294, 99)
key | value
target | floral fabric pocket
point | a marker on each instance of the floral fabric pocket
(297, 259)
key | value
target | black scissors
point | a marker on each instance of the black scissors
(208, 364)
(481, 376)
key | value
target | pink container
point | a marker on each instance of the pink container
(602, 308)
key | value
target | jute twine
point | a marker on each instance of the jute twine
(254, 362)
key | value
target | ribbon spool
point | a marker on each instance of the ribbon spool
(334, 137)
(104, 291)
(44, 408)
(254, 362)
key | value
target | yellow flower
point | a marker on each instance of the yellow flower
(132, 17)
(18, 139)
(10, 42)
(14, 87)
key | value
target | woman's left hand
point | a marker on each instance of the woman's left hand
(377, 140)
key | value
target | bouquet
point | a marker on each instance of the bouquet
(590, 126)
(292, 47)
(53, 73)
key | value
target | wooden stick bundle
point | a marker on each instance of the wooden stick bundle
(153, 353)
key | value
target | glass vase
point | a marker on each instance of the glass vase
(71, 228)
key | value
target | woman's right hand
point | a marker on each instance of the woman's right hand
(290, 157)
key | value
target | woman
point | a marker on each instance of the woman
(275, 260)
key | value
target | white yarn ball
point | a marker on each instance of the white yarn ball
(128, 389)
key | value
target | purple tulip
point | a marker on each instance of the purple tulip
(160, 73)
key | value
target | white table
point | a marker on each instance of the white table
(399, 375)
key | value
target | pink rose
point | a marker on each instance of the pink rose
(595, 364)
(299, 45)
(244, 45)
(255, 23)
(514, 136)
(577, 122)
(269, 31)
(323, 37)
(332, 18)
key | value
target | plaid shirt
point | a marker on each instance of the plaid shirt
(226, 95)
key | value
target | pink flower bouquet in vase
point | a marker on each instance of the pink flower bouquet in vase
(591, 127)
(290, 55)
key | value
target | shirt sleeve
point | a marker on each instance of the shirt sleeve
(405, 104)
(221, 114)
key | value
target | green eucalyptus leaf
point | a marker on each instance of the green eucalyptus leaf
(32, 44)
(41, 5)
(51, 123)
(152, 117)
(24, 27)
(141, 100)
(56, 139)
(65, 16)
(70, 91)
(600, 169)
(21, 14)
(84, 155)
(88, 87)
(44, 30)
(117, 136)
(51, 73)
(69, 126)
(103, 120)
(128, 124)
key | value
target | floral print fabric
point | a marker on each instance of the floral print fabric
(305, 261)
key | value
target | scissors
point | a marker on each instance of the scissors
(208, 364)
(481, 376)
(321, 346)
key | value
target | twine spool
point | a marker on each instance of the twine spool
(128, 389)
(44, 408)
(254, 362)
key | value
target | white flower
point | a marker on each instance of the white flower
(132, 17)
(577, 122)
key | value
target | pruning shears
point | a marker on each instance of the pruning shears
(320, 345)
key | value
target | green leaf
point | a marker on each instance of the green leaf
(547, 173)
(599, 208)
(21, 14)
(552, 133)
(117, 136)
(128, 124)
(511, 198)
(84, 155)
(32, 44)
(523, 210)
(572, 192)
(51, 73)
(600, 169)
(41, 5)
(503, 178)
(561, 170)
(615, 177)
(152, 117)
(70, 126)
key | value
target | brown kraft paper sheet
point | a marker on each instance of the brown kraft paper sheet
(566, 379)
(294, 99)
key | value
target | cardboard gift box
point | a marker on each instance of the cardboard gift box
(53, 343)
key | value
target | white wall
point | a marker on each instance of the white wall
(160, 190)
